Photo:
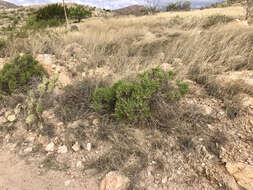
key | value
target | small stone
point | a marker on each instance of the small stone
(11, 118)
(91, 172)
(67, 183)
(95, 122)
(83, 75)
(114, 181)
(28, 150)
(79, 164)
(62, 149)
(50, 147)
(76, 147)
(164, 180)
(89, 147)
(75, 124)
(30, 139)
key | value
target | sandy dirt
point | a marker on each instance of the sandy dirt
(16, 174)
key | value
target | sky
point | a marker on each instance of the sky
(112, 4)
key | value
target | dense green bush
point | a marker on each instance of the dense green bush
(49, 16)
(18, 73)
(52, 11)
(179, 6)
(78, 13)
(2, 44)
(216, 19)
(131, 100)
(53, 15)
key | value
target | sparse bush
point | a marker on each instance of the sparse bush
(18, 73)
(179, 6)
(216, 19)
(131, 100)
(79, 12)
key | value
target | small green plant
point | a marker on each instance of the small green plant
(18, 73)
(78, 13)
(179, 6)
(131, 100)
(216, 19)
(2, 44)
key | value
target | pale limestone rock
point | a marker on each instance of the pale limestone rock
(50, 147)
(114, 181)
(28, 150)
(11, 118)
(76, 147)
(243, 174)
(89, 146)
(62, 149)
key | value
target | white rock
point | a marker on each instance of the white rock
(76, 147)
(50, 147)
(63, 149)
(95, 122)
(28, 150)
(83, 75)
(79, 164)
(67, 183)
(89, 146)
(11, 118)
(114, 181)
(164, 180)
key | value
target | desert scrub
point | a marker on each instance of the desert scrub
(131, 100)
(216, 19)
(18, 73)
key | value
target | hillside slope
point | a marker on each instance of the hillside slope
(5, 4)
(201, 141)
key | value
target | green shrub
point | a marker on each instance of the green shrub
(52, 11)
(49, 16)
(78, 13)
(131, 100)
(216, 19)
(18, 73)
(179, 6)
(2, 44)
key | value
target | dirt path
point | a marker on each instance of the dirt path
(15, 174)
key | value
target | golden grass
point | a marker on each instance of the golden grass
(124, 46)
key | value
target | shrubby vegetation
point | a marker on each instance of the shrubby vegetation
(78, 13)
(216, 19)
(18, 73)
(179, 6)
(132, 100)
(53, 15)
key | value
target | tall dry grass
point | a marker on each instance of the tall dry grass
(126, 45)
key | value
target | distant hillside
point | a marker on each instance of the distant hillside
(5, 4)
(131, 10)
